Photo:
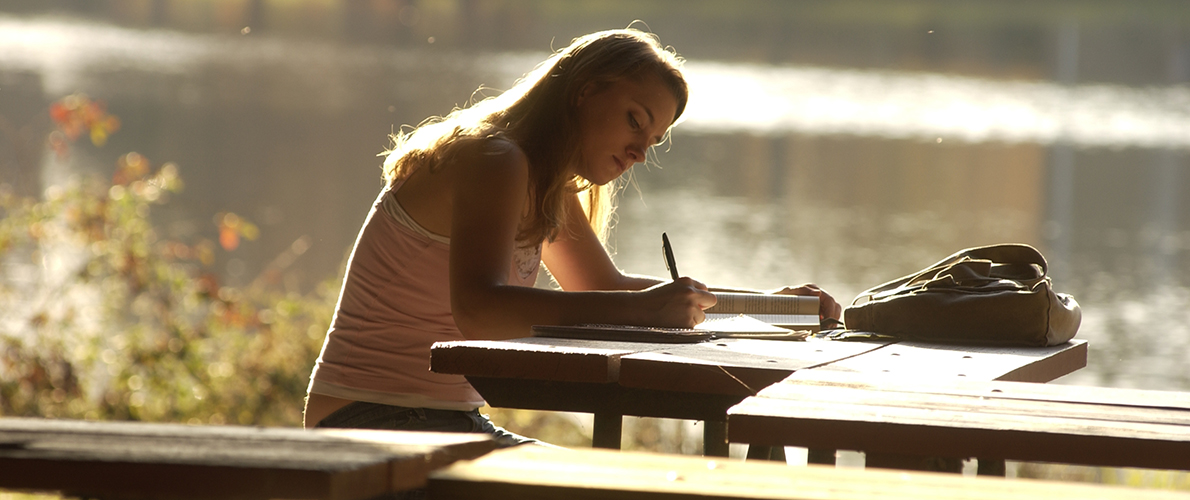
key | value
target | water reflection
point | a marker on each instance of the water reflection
(779, 175)
(849, 213)
(778, 100)
(726, 97)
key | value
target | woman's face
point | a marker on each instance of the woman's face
(618, 122)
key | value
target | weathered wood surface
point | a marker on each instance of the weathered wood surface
(142, 460)
(601, 398)
(538, 358)
(536, 473)
(930, 361)
(738, 367)
(1006, 420)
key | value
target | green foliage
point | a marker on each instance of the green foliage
(17, 495)
(1135, 478)
(101, 318)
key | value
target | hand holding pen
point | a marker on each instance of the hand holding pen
(684, 298)
(829, 310)
(668, 251)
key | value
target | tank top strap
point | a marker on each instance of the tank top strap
(390, 206)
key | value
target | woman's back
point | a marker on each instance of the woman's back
(395, 303)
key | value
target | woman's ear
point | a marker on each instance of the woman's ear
(589, 89)
(583, 93)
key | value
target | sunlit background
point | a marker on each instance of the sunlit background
(841, 142)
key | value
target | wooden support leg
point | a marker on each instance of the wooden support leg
(757, 452)
(774, 453)
(991, 467)
(606, 434)
(820, 457)
(910, 462)
(778, 454)
(714, 438)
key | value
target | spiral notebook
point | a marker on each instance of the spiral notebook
(792, 312)
(624, 333)
(739, 326)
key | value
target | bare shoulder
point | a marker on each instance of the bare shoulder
(497, 153)
(489, 165)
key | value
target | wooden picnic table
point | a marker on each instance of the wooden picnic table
(701, 381)
(143, 460)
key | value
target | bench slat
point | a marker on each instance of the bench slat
(132, 459)
(541, 474)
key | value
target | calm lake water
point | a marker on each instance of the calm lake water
(780, 174)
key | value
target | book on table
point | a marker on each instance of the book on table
(792, 312)
(735, 315)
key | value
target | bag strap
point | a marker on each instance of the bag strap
(1006, 253)
(1009, 253)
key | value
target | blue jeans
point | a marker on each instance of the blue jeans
(361, 415)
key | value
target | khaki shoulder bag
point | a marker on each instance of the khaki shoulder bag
(998, 294)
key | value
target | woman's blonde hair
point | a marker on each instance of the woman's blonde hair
(539, 114)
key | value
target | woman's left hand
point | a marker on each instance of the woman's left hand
(827, 307)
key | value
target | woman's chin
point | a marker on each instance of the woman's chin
(601, 178)
(611, 177)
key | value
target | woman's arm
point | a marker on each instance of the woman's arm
(489, 196)
(578, 261)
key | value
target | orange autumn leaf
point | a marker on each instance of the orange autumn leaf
(232, 227)
(77, 113)
(229, 239)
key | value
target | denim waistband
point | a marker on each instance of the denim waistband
(357, 411)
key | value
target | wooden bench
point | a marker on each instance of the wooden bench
(542, 474)
(141, 460)
(908, 419)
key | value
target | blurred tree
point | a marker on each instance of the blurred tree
(103, 319)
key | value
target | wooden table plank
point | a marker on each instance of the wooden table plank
(728, 367)
(546, 474)
(739, 367)
(546, 373)
(990, 404)
(601, 398)
(1094, 426)
(921, 361)
(933, 361)
(1000, 390)
(139, 460)
(539, 358)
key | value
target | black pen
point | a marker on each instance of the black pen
(670, 263)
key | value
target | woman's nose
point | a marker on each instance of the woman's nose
(636, 153)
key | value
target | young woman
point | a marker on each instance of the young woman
(473, 203)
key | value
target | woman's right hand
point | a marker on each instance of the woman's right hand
(677, 304)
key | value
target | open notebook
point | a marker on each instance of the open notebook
(735, 315)
(731, 326)
(792, 312)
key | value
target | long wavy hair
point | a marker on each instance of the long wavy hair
(539, 114)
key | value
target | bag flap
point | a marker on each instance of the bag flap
(986, 268)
